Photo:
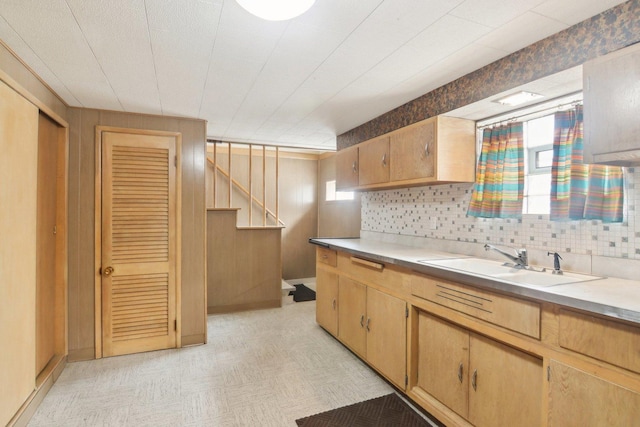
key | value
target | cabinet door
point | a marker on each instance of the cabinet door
(611, 107)
(577, 398)
(327, 300)
(352, 315)
(413, 151)
(374, 160)
(347, 168)
(443, 362)
(506, 385)
(387, 335)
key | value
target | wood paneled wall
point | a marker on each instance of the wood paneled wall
(297, 197)
(335, 218)
(82, 123)
(243, 265)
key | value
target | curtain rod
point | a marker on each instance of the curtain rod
(533, 111)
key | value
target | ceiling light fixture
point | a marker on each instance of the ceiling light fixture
(518, 98)
(276, 10)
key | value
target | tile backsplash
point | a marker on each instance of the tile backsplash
(440, 212)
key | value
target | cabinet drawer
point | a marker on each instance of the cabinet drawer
(368, 271)
(511, 313)
(326, 256)
(603, 339)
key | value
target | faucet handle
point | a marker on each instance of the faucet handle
(556, 262)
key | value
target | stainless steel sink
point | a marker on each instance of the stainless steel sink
(544, 278)
(483, 267)
(499, 271)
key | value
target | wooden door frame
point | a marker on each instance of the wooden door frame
(98, 228)
(61, 299)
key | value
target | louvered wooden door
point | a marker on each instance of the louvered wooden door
(138, 242)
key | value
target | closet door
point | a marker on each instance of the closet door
(46, 304)
(18, 198)
(139, 242)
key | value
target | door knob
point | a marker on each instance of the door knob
(108, 271)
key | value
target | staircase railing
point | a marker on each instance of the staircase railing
(248, 192)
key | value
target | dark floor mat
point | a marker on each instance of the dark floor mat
(302, 293)
(385, 411)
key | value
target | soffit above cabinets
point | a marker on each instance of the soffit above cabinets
(551, 87)
(295, 83)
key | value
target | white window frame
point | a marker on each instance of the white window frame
(333, 195)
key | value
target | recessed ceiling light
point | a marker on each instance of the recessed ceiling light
(276, 10)
(518, 98)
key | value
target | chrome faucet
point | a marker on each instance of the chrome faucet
(520, 259)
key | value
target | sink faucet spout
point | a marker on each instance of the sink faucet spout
(520, 259)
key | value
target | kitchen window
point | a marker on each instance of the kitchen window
(538, 143)
(332, 195)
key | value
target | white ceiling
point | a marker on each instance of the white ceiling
(295, 83)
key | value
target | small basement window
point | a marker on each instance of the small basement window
(333, 195)
(538, 143)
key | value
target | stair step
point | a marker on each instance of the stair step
(286, 288)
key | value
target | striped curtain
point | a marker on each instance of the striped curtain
(499, 185)
(578, 190)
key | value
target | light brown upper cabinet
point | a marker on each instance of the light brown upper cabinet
(434, 151)
(611, 108)
(374, 160)
(437, 149)
(347, 168)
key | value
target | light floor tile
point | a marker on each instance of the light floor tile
(259, 368)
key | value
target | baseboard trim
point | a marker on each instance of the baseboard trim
(82, 354)
(44, 383)
(193, 340)
(244, 307)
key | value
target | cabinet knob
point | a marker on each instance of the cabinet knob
(384, 160)
(426, 149)
(474, 380)
(368, 321)
(460, 370)
(108, 271)
(362, 321)
(333, 304)
(354, 167)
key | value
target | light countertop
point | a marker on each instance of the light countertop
(613, 297)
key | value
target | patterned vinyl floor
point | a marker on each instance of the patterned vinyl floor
(260, 368)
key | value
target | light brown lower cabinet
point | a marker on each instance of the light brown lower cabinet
(352, 315)
(374, 325)
(577, 398)
(327, 300)
(482, 380)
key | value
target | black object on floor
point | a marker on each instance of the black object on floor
(387, 411)
(302, 293)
